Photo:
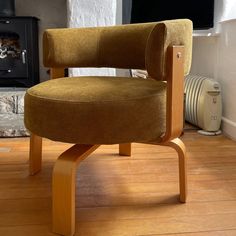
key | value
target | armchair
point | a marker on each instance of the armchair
(90, 111)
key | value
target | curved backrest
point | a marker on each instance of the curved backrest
(136, 46)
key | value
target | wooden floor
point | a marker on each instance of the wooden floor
(119, 196)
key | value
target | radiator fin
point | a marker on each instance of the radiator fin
(192, 90)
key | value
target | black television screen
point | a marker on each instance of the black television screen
(201, 12)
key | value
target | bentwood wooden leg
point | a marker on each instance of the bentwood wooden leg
(35, 154)
(63, 188)
(125, 149)
(179, 146)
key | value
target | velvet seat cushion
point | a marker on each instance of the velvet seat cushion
(97, 110)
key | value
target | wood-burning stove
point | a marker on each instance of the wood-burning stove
(19, 63)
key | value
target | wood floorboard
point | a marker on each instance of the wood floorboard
(125, 195)
(203, 233)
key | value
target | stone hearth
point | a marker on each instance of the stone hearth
(12, 112)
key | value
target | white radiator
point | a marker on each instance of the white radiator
(203, 105)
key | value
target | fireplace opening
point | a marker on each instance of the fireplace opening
(9, 51)
(9, 45)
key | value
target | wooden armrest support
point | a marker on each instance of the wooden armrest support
(175, 93)
(57, 73)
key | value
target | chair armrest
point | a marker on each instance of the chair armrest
(175, 93)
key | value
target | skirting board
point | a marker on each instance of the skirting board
(229, 128)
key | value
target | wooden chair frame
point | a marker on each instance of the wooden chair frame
(64, 172)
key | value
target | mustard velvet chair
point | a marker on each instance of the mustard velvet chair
(93, 110)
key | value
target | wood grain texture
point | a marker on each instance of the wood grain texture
(125, 196)
(179, 146)
(35, 154)
(175, 93)
(63, 187)
(57, 73)
(125, 149)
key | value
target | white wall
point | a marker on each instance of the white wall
(205, 53)
(118, 12)
(224, 10)
(228, 9)
(226, 75)
(215, 57)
